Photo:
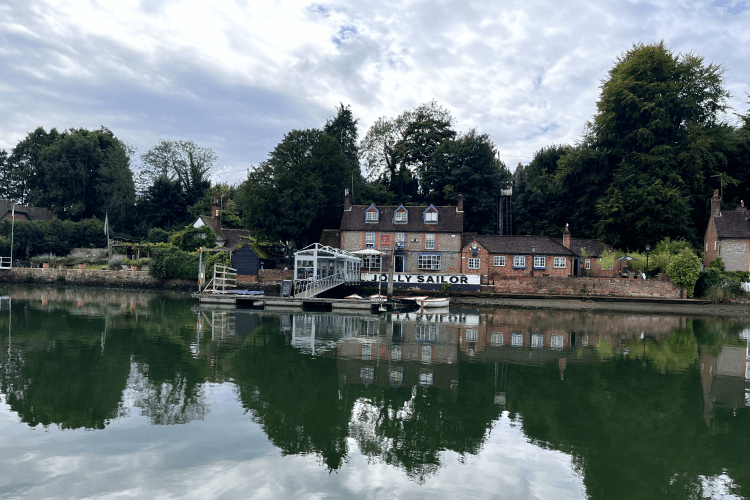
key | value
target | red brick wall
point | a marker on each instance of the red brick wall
(709, 240)
(265, 275)
(617, 287)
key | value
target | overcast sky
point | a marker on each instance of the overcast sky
(236, 76)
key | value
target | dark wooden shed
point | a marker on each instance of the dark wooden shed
(247, 262)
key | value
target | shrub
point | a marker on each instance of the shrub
(116, 261)
(684, 269)
(173, 263)
(157, 235)
(211, 258)
(192, 238)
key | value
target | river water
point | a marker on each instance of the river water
(118, 394)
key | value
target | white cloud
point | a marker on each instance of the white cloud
(236, 76)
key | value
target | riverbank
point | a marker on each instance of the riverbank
(687, 307)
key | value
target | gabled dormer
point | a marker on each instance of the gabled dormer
(372, 214)
(431, 215)
(401, 215)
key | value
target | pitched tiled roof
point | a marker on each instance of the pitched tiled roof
(235, 237)
(32, 213)
(594, 248)
(733, 224)
(521, 245)
(449, 221)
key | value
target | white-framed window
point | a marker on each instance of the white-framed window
(540, 262)
(498, 260)
(559, 263)
(426, 333)
(425, 379)
(585, 340)
(556, 342)
(431, 217)
(399, 239)
(371, 216)
(587, 263)
(516, 339)
(429, 241)
(429, 262)
(396, 376)
(396, 353)
(400, 217)
(366, 350)
(496, 339)
(519, 261)
(537, 340)
(426, 354)
(474, 263)
(371, 263)
(472, 335)
(370, 240)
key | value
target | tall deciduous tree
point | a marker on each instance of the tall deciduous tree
(86, 173)
(377, 148)
(182, 161)
(537, 195)
(641, 172)
(298, 191)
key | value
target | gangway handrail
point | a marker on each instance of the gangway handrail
(310, 287)
(5, 263)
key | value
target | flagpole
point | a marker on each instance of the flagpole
(12, 229)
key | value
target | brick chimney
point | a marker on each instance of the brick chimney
(716, 204)
(566, 237)
(460, 203)
(347, 201)
(216, 213)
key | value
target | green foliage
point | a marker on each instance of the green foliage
(684, 269)
(719, 285)
(173, 263)
(643, 169)
(191, 238)
(298, 191)
(157, 235)
(54, 236)
(607, 259)
(211, 258)
(183, 162)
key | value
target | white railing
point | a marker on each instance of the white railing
(224, 277)
(4, 262)
(311, 287)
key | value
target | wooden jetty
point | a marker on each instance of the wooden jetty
(263, 302)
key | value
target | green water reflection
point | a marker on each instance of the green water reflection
(643, 406)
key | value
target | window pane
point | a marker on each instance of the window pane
(429, 241)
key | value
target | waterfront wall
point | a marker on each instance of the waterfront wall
(614, 287)
(92, 277)
(266, 276)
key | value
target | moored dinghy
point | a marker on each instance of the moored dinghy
(426, 302)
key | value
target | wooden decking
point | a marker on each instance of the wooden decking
(263, 302)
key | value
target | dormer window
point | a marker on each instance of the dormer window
(401, 215)
(372, 214)
(431, 215)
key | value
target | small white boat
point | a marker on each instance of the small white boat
(353, 296)
(381, 298)
(408, 301)
(433, 302)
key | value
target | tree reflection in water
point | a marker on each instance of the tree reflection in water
(644, 405)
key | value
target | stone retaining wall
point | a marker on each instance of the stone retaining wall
(91, 277)
(614, 287)
(266, 276)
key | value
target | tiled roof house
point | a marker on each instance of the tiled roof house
(727, 236)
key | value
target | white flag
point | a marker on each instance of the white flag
(106, 224)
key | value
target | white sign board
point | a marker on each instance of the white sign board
(426, 279)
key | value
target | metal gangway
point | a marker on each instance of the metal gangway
(223, 280)
(318, 268)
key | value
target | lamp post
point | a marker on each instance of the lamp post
(648, 247)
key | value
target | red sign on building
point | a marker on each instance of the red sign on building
(385, 240)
